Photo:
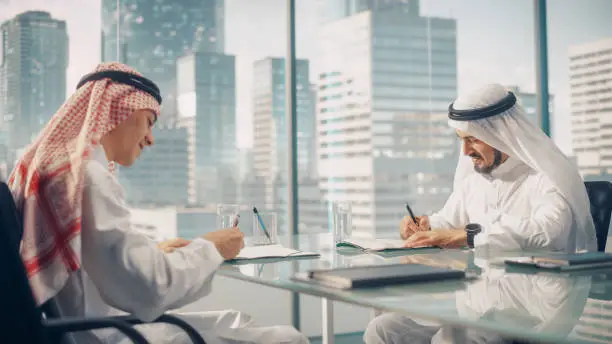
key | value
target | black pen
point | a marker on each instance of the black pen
(411, 214)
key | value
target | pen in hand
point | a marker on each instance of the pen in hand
(411, 214)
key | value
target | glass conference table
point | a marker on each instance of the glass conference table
(519, 305)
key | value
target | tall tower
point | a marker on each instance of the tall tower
(331, 10)
(32, 74)
(161, 174)
(269, 124)
(591, 106)
(386, 80)
(206, 104)
(154, 34)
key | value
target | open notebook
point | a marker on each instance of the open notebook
(379, 245)
(271, 251)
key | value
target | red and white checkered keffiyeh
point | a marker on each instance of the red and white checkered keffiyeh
(47, 182)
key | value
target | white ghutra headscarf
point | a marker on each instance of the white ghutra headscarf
(494, 116)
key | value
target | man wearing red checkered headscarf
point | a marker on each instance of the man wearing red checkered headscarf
(78, 246)
(48, 180)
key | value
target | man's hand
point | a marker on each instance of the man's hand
(446, 238)
(407, 226)
(169, 246)
(229, 241)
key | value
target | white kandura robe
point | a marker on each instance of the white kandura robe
(124, 271)
(518, 208)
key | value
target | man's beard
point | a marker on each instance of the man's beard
(497, 160)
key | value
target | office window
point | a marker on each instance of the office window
(413, 65)
(580, 83)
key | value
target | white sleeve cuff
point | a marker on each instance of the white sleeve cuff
(481, 239)
(436, 222)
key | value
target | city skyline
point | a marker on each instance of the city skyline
(483, 55)
(371, 96)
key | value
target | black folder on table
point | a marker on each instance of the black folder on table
(382, 275)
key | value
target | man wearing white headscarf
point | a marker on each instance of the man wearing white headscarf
(512, 184)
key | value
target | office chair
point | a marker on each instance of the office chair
(600, 197)
(20, 319)
(27, 323)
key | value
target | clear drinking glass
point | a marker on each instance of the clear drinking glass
(341, 220)
(228, 215)
(265, 228)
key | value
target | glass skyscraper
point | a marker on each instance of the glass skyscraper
(387, 78)
(331, 10)
(33, 63)
(154, 34)
(161, 175)
(269, 118)
(206, 89)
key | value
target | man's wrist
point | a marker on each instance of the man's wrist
(461, 239)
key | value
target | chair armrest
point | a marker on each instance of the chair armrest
(60, 326)
(192, 333)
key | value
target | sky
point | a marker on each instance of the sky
(495, 42)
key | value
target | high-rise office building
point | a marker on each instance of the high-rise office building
(307, 138)
(529, 101)
(154, 34)
(270, 144)
(161, 175)
(331, 10)
(269, 118)
(3, 95)
(310, 202)
(206, 100)
(245, 163)
(6, 161)
(590, 77)
(252, 190)
(387, 78)
(33, 63)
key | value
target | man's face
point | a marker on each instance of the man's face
(484, 157)
(128, 139)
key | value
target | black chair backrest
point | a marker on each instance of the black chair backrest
(19, 316)
(600, 197)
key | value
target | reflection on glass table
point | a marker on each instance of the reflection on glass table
(595, 322)
(499, 302)
(542, 307)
